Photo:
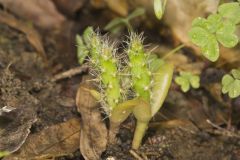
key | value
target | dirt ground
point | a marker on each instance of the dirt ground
(45, 122)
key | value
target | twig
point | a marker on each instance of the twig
(222, 131)
(69, 73)
(135, 155)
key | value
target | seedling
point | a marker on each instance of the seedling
(231, 83)
(187, 79)
(117, 24)
(159, 8)
(150, 82)
(217, 28)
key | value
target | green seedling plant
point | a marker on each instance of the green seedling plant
(187, 80)
(118, 23)
(159, 8)
(231, 83)
(4, 153)
(219, 28)
(148, 76)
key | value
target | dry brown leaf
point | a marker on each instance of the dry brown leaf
(93, 139)
(229, 58)
(118, 6)
(15, 124)
(42, 13)
(69, 7)
(180, 123)
(98, 3)
(189, 108)
(58, 140)
(32, 35)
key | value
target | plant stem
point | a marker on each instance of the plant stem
(139, 133)
(173, 51)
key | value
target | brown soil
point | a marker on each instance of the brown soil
(26, 83)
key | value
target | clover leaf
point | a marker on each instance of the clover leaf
(199, 22)
(230, 11)
(231, 84)
(187, 79)
(219, 27)
(225, 35)
(206, 41)
(236, 73)
(214, 21)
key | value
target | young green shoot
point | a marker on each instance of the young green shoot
(231, 83)
(187, 80)
(118, 23)
(149, 76)
(159, 8)
(217, 28)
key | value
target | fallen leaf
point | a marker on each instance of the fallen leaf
(118, 6)
(180, 123)
(31, 34)
(69, 7)
(42, 13)
(15, 124)
(58, 140)
(93, 139)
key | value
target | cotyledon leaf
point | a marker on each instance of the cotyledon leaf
(162, 79)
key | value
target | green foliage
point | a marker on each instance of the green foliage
(103, 61)
(231, 83)
(230, 11)
(4, 153)
(187, 79)
(82, 50)
(149, 77)
(118, 23)
(141, 76)
(154, 62)
(217, 28)
(109, 76)
(162, 79)
(159, 8)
